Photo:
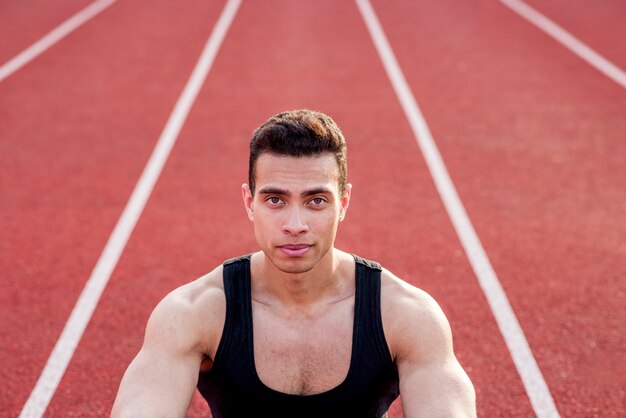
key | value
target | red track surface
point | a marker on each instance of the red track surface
(601, 28)
(532, 135)
(24, 22)
(534, 139)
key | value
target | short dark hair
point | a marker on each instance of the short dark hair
(299, 133)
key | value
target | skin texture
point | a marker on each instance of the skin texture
(302, 303)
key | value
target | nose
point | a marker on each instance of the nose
(295, 224)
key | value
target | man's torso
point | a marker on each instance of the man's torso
(303, 354)
(291, 357)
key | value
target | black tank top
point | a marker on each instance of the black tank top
(233, 389)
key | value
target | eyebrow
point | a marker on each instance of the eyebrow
(282, 192)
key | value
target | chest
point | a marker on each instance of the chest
(303, 355)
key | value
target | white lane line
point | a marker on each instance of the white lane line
(86, 304)
(53, 37)
(510, 328)
(568, 40)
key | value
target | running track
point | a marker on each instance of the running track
(533, 138)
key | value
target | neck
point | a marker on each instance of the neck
(327, 282)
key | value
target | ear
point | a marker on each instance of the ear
(246, 193)
(345, 202)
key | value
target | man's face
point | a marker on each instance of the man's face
(296, 209)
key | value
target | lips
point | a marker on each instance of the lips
(295, 250)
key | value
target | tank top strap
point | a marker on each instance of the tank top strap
(238, 320)
(369, 327)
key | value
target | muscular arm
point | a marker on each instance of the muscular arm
(161, 379)
(432, 382)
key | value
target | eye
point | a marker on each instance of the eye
(273, 200)
(317, 201)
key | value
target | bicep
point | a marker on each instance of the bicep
(157, 384)
(161, 379)
(439, 389)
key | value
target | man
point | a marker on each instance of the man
(300, 328)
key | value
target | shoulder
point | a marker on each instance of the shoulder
(191, 317)
(414, 324)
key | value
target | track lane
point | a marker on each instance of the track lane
(53, 37)
(599, 24)
(86, 118)
(533, 138)
(508, 324)
(314, 59)
(567, 40)
(24, 22)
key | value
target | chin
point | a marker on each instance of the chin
(294, 265)
(293, 269)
